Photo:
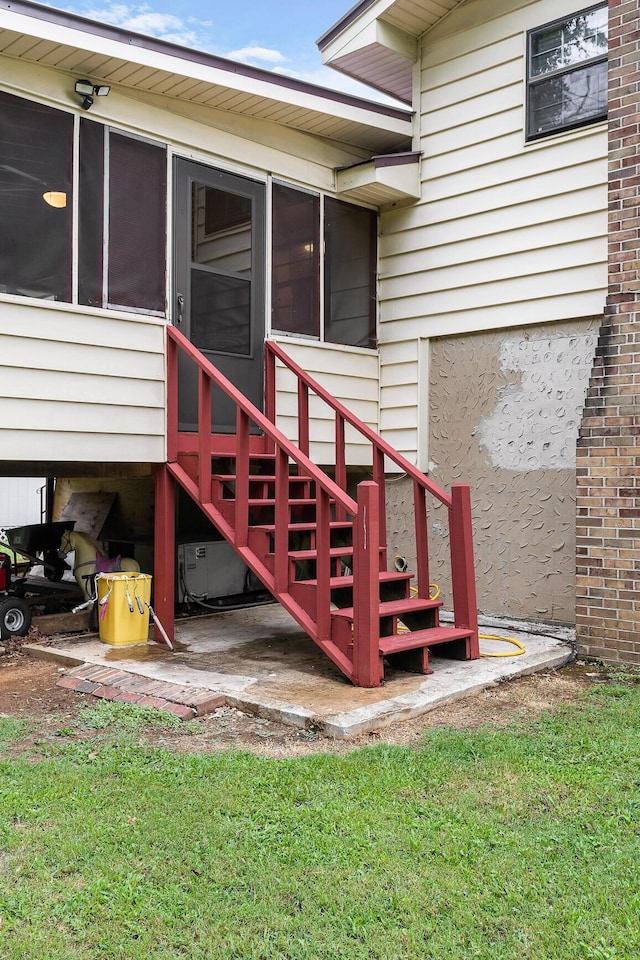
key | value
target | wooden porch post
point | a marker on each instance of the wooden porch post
(164, 550)
(367, 663)
(463, 574)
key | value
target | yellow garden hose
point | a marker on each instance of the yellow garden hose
(510, 653)
(520, 648)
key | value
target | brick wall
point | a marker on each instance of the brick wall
(608, 464)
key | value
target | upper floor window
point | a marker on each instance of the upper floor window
(567, 73)
(121, 210)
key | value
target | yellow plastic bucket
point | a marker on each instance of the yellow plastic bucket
(123, 607)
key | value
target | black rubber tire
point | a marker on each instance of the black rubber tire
(15, 617)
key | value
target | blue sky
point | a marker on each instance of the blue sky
(276, 35)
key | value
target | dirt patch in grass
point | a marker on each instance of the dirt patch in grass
(28, 692)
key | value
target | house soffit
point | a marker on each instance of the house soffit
(385, 179)
(109, 55)
(376, 42)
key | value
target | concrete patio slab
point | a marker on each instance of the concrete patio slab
(260, 662)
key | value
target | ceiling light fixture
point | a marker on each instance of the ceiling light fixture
(55, 198)
(88, 90)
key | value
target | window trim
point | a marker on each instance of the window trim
(531, 82)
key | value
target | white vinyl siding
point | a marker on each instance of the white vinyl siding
(398, 386)
(350, 376)
(506, 234)
(76, 386)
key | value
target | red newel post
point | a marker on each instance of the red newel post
(422, 539)
(465, 606)
(367, 663)
(164, 550)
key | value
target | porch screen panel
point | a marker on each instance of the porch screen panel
(295, 282)
(220, 313)
(36, 149)
(221, 270)
(350, 274)
(91, 213)
(137, 224)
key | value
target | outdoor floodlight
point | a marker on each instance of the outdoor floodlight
(88, 90)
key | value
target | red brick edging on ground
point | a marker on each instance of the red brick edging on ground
(110, 684)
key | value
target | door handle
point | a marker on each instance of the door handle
(179, 309)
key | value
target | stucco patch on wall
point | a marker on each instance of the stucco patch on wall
(485, 391)
(535, 422)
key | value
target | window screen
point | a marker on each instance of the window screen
(137, 217)
(296, 261)
(349, 274)
(36, 146)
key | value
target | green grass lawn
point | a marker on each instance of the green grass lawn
(519, 842)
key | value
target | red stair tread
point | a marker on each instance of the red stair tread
(412, 640)
(305, 526)
(232, 455)
(270, 502)
(388, 576)
(259, 478)
(223, 445)
(394, 608)
(313, 554)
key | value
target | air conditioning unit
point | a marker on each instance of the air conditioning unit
(209, 570)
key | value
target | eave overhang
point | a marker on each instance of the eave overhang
(104, 54)
(376, 42)
(386, 178)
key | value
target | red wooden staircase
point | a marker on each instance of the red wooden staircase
(320, 552)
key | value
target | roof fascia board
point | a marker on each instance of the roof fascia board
(79, 33)
(366, 11)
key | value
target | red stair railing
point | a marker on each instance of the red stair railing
(367, 512)
(458, 504)
(365, 641)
